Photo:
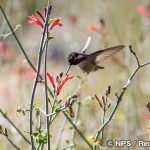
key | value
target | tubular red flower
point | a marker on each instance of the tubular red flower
(140, 9)
(51, 79)
(98, 100)
(72, 114)
(35, 20)
(92, 28)
(40, 15)
(45, 11)
(63, 82)
(56, 23)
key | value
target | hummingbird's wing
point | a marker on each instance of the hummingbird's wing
(104, 54)
(86, 44)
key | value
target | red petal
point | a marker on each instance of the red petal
(40, 15)
(57, 22)
(63, 82)
(98, 100)
(51, 79)
(35, 20)
(72, 114)
(92, 28)
(140, 9)
(45, 11)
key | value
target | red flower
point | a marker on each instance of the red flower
(93, 28)
(72, 114)
(100, 104)
(145, 11)
(140, 9)
(56, 23)
(61, 83)
(40, 15)
(59, 87)
(35, 20)
(51, 79)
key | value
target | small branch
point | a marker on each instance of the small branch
(60, 133)
(67, 71)
(103, 121)
(136, 57)
(46, 93)
(12, 143)
(5, 116)
(75, 122)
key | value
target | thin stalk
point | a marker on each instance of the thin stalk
(46, 94)
(53, 107)
(109, 118)
(53, 119)
(103, 121)
(21, 134)
(75, 122)
(38, 146)
(37, 75)
(13, 144)
(68, 69)
(60, 133)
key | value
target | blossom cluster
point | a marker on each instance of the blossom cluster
(40, 20)
(59, 81)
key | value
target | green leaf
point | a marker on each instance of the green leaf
(41, 139)
(52, 20)
(58, 110)
(18, 111)
(37, 104)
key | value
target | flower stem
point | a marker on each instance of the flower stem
(75, 122)
(46, 94)
(60, 133)
(13, 144)
(37, 74)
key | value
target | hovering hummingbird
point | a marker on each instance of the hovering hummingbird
(89, 62)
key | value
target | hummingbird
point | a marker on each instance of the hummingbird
(89, 62)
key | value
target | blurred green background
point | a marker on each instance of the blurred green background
(122, 25)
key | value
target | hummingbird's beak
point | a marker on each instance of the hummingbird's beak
(68, 69)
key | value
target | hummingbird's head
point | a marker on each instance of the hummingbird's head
(75, 58)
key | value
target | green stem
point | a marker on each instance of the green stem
(103, 121)
(75, 122)
(46, 94)
(109, 119)
(68, 69)
(60, 133)
(14, 145)
(37, 75)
